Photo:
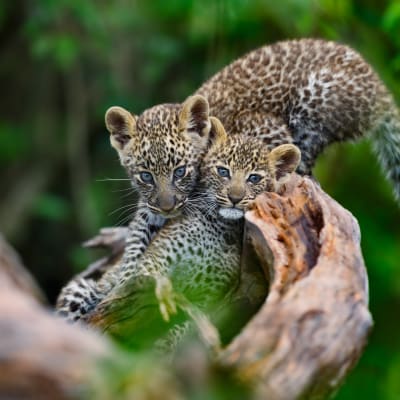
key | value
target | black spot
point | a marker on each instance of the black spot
(92, 296)
(73, 306)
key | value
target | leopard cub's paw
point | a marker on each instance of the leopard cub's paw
(166, 297)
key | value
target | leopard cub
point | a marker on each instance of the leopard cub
(239, 167)
(199, 252)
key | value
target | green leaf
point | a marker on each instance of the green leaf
(391, 17)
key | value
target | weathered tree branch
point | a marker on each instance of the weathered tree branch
(40, 355)
(43, 357)
(314, 323)
(302, 341)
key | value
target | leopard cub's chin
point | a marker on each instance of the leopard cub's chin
(231, 213)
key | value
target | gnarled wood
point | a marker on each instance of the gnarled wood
(40, 355)
(314, 323)
(13, 274)
(43, 357)
(304, 338)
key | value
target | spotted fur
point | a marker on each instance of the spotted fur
(158, 142)
(311, 93)
(82, 293)
(155, 146)
(238, 168)
(306, 92)
(199, 252)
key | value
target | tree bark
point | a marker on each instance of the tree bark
(44, 358)
(313, 325)
(303, 339)
(40, 355)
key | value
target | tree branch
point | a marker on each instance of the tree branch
(313, 326)
(301, 342)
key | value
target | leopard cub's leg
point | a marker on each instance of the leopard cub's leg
(81, 295)
(77, 299)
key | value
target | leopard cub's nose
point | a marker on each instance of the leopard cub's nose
(234, 198)
(167, 203)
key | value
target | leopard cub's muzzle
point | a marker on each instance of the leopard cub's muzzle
(233, 208)
(169, 205)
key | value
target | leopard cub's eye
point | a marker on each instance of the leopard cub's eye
(146, 177)
(254, 178)
(223, 172)
(180, 172)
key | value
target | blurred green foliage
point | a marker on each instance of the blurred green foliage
(65, 61)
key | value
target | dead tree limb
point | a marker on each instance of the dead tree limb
(313, 325)
(315, 321)
(303, 340)
(43, 357)
(40, 355)
(14, 275)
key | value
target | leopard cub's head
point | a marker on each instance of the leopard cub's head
(237, 168)
(161, 150)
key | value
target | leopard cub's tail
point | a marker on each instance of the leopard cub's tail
(385, 137)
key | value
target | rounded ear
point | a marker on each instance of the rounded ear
(217, 134)
(284, 159)
(122, 126)
(194, 118)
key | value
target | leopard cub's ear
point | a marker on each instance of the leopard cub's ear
(284, 159)
(194, 117)
(217, 135)
(122, 127)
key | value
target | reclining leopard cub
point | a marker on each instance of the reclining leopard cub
(306, 92)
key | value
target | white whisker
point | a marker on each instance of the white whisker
(113, 179)
(124, 190)
(125, 195)
(124, 220)
(127, 207)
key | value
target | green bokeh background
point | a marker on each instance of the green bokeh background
(64, 62)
